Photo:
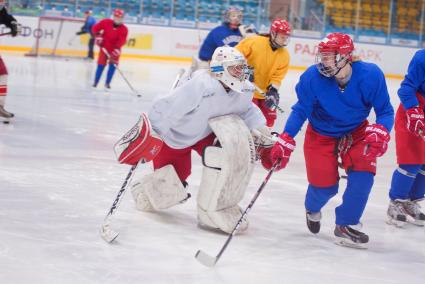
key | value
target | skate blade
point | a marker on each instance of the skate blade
(415, 222)
(396, 223)
(348, 243)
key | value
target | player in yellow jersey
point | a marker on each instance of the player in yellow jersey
(267, 55)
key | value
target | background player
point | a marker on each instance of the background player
(408, 181)
(9, 21)
(226, 34)
(190, 118)
(87, 28)
(110, 35)
(269, 58)
(336, 96)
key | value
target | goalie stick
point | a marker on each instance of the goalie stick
(106, 231)
(121, 73)
(209, 260)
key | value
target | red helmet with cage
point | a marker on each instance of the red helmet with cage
(334, 52)
(118, 13)
(280, 30)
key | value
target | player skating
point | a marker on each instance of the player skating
(89, 22)
(336, 96)
(111, 35)
(9, 21)
(269, 58)
(408, 181)
(211, 113)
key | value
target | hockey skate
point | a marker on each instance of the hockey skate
(412, 208)
(347, 236)
(396, 213)
(5, 116)
(313, 221)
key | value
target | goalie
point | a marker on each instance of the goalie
(212, 114)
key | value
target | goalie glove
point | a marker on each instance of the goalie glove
(141, 142)
(415, 120)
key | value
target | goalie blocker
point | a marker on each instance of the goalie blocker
(141, 142)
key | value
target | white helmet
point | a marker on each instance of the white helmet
(229, 66)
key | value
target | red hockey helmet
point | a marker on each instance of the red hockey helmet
(280, 30)
(334, 52)
(118, 13)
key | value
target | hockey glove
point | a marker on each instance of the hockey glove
(376, 140)
(272, 97)
(115, 55)
(15, 28)
(282, 150)
(415, 120)
(250, 71)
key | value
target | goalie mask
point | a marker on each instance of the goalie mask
(233, 17)
(229, 66)
(334, 52)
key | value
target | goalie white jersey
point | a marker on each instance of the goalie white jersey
(181, 117)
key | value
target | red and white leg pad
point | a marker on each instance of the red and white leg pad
(141, 142)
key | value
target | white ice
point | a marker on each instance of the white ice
(59, 177)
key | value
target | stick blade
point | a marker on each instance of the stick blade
(205, 258)
(107, 234)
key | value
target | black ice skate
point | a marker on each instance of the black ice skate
(396, 213)
(107, 86)
(94, 85)
(5, 116)
(313, 221)
(412, 208)
(349, 237)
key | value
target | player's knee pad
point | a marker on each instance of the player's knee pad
(226, 173)
(158, 190)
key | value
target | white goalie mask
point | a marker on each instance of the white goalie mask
(229, 66)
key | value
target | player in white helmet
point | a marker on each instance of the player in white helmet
(211, 113)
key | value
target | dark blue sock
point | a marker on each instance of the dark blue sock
(359, 185)
(403, 178)
(110, 74)
(418, 188)
(317, 197)
(99, 72)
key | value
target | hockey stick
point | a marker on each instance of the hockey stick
(106, 231)
(121, 73)
(178, 77)
(5, 34)
(209, 260)
(263, 93)
(70, 42)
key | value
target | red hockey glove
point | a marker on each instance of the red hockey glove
(98, 40)
(376, 140)
(115, 56)
(415, 120)
(282, 150)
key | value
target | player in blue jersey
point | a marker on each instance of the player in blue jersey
(408, 181)
(336, 96)
(86, 29)
(226, 34)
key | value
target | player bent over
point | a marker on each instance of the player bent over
(408, 181)
(111, 35)
(336, 96)
(211, 113)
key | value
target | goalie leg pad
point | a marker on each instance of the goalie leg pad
(140, 143)
(226, 173)
(159, 190)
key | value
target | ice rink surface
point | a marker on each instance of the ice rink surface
(59, 177)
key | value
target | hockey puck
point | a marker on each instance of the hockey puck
(6, 122)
